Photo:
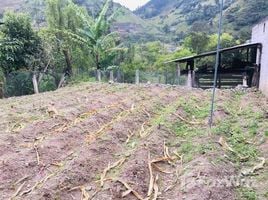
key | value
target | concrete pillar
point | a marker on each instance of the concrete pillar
(137, 77)
(99, 75)
(189, 79)
(245, 81)
(111, 76)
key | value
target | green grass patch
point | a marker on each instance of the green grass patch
(266, 133)
(247, 194)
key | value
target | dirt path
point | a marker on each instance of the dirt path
(104, 141)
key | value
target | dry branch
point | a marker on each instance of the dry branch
(160, 169)
(106, 170)
(18, 191)
(225, 145)
(85, 194)
(129, 136)
(151, 182)
(156, 188)
(37, 154)
(186, 121)
(130, 190)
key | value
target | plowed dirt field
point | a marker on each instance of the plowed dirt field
(101, 141)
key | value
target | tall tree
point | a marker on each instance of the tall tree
(63, 21)
(19, 42)
(20, 45)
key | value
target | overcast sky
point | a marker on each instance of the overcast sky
(132, 4)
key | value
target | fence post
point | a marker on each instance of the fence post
(111, 76)
(137, 77)
(98, 75)
(166, 77)
(159, 78)
(118, 76)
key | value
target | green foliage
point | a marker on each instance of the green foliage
(266, 133)
(20, 43)
(47, 84)
(95, 34)
(196, 42)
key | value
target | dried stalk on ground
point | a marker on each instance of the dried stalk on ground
(186, 121)
(130, 190)
(110, 167)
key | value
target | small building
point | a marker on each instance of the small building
(260, 35)
(245, 64)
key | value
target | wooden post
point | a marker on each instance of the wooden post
(137, 77)
(111, 76)
(166, 77)
(98, 75)
(1, 90)
(159, 78)
(118, 76)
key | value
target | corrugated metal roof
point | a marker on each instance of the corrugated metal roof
(185, 59)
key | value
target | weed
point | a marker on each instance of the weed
(266, 133)
(247, 194)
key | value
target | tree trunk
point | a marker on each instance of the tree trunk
(1, 90)
(97, 62)
(35, 84)
(68, 70)
(42, 73)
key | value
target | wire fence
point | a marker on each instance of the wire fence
(20, 82)
(131, 76)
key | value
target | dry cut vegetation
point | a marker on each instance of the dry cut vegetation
(100, 141)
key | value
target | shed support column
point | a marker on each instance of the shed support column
(256, 76)
(178, 73)
(189, 80)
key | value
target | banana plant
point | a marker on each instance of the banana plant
(97, 37)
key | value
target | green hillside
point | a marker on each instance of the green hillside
(169, 20)
(129, 25)
(179, 17)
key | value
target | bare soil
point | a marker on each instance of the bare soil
(100, 141)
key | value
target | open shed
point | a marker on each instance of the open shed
(239, 65)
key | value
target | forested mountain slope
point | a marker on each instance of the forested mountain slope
(131, 26)
(169, 20)
(178, 17)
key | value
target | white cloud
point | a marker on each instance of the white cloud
(132, 4)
